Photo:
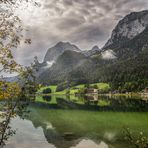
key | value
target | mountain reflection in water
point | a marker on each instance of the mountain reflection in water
(28, 136)
(95, 102)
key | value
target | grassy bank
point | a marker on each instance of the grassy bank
(74, 89)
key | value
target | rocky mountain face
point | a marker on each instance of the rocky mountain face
(54, 52)
(128, 28)
(52, 56)
(130, 36)
(95, 48)
(93, 51)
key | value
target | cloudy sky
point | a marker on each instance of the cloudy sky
(82, 22)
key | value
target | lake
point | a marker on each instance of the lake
(52, 124)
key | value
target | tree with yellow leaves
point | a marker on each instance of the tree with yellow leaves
(10, 37)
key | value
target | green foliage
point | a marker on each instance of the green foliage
(47, 98)
(95, 86)
(132, 86)
(138, 141)
(63, 89)
(47, 91)
(87, 85)
(28, 80)
(103, 91)
(61, 86)
(128, 75)
(67, 92)
(82, 90)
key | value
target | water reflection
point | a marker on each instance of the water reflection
(29, 136)
(87, 143)
(47, 98)
(50, 128)
(100, 103)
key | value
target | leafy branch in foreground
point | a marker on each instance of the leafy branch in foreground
(12, 102)
(139, 141)
(16, 98)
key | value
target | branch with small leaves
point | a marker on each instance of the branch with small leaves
(139, 141)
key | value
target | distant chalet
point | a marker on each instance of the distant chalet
(145, 90)
(91, 91)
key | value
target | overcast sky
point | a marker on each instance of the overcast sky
(82, 22)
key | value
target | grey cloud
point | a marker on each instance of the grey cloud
(89, 33)
(69, 23)
(68, 2)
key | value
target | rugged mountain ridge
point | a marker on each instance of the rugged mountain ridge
(93, 51)
(128, 28)
(54, 52)
(52, 56)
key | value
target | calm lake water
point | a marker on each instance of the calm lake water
(61, 125)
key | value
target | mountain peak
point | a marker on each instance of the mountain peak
(95, 48)
(55, 51)
(129, 27)
(92, 51)
(62, 43)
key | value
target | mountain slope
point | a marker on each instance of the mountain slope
(91, 52)
(132, 47)
(128, 28)
(54, 52)
(60, 70)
